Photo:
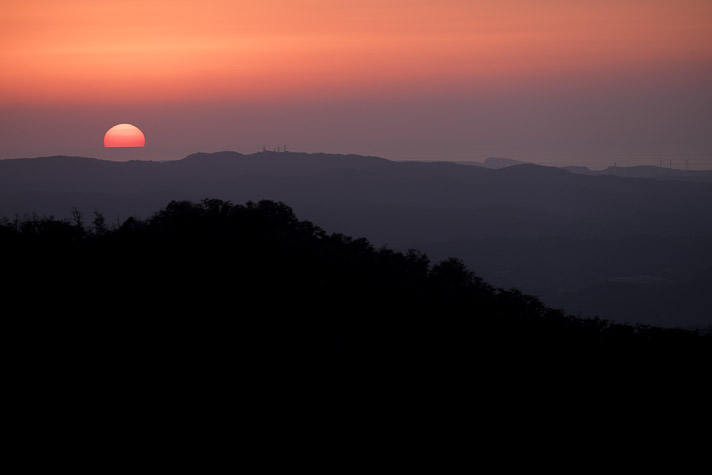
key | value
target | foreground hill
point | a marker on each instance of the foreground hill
(213, 291)
(641, 244)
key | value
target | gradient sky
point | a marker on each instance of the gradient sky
(552, 81)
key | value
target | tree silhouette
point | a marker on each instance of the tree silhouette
(99, 224)
(249, 289)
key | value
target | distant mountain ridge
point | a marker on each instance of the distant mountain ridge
(638, 171)
(522, 200)
(459, 201)
(501, 162)
(647, 171)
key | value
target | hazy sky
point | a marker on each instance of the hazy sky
(551, 81)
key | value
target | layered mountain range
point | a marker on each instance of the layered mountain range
(631, 249)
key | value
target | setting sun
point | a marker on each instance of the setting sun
(124, 135)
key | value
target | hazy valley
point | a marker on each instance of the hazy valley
(626, 248)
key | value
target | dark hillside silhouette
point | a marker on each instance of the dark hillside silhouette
(215, 294)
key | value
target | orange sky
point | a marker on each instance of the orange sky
(173, 50)
(554, 81)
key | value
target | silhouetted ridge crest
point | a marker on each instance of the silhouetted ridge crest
(227, 155)
(500, 162)
(531, 170)
(66, 158)
(270, 154)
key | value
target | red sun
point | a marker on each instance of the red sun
(124, 135)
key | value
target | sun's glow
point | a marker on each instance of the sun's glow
(164, 50)
(124, 135)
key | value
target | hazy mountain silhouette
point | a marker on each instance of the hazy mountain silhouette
(501, 162)
(545, 230)
(646, 171)
(494, 162)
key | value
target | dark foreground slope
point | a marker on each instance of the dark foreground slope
(219, 299)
